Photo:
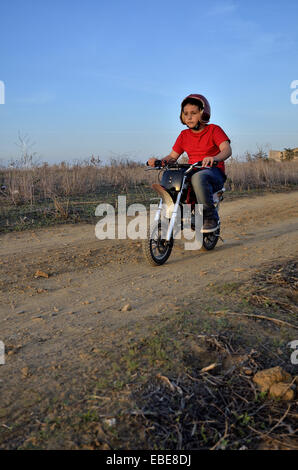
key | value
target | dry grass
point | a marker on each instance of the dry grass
(48, 182)
(33, 195)
(22, 185)
(261, 174)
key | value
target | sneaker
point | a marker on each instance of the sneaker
(210, 225)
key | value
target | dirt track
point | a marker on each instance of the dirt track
(55, 322)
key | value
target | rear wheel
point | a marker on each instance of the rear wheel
(210, 240)
(155, 248)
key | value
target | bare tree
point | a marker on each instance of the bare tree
(260, 154)
(28, 158)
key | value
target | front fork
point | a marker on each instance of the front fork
(174, 215)
(174, 212)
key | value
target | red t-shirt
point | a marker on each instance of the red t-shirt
(199, 145)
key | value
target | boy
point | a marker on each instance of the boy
(206, 143)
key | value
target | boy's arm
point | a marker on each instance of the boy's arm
(225, 152)
(172, 157)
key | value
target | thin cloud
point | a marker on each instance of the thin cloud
(129, 82)
(42, 97)
(222, 9)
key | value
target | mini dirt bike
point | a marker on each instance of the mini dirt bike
(175, 189)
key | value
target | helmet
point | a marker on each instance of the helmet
(203, 102)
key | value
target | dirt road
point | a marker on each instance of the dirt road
(51, 324)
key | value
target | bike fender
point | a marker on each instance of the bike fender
(166, 198)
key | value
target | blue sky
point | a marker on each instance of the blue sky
(107, 77)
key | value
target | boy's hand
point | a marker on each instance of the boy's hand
(151, 162)
(207, 161)
(164, 161)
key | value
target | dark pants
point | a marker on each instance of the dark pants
(205, 183)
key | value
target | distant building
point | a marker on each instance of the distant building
(278, 155)
(275, 155)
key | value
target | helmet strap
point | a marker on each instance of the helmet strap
(197, 127)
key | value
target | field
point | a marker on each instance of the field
(106, 352)
(44, 195)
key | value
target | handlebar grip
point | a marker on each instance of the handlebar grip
(157, 163)
(160, 163)
(215, 163)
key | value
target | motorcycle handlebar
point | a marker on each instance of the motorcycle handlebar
(162, 164)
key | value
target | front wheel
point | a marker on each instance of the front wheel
(210, 240)
(155, 248)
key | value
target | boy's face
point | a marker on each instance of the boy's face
(191, 115)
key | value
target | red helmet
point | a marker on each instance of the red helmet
(203, 102)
